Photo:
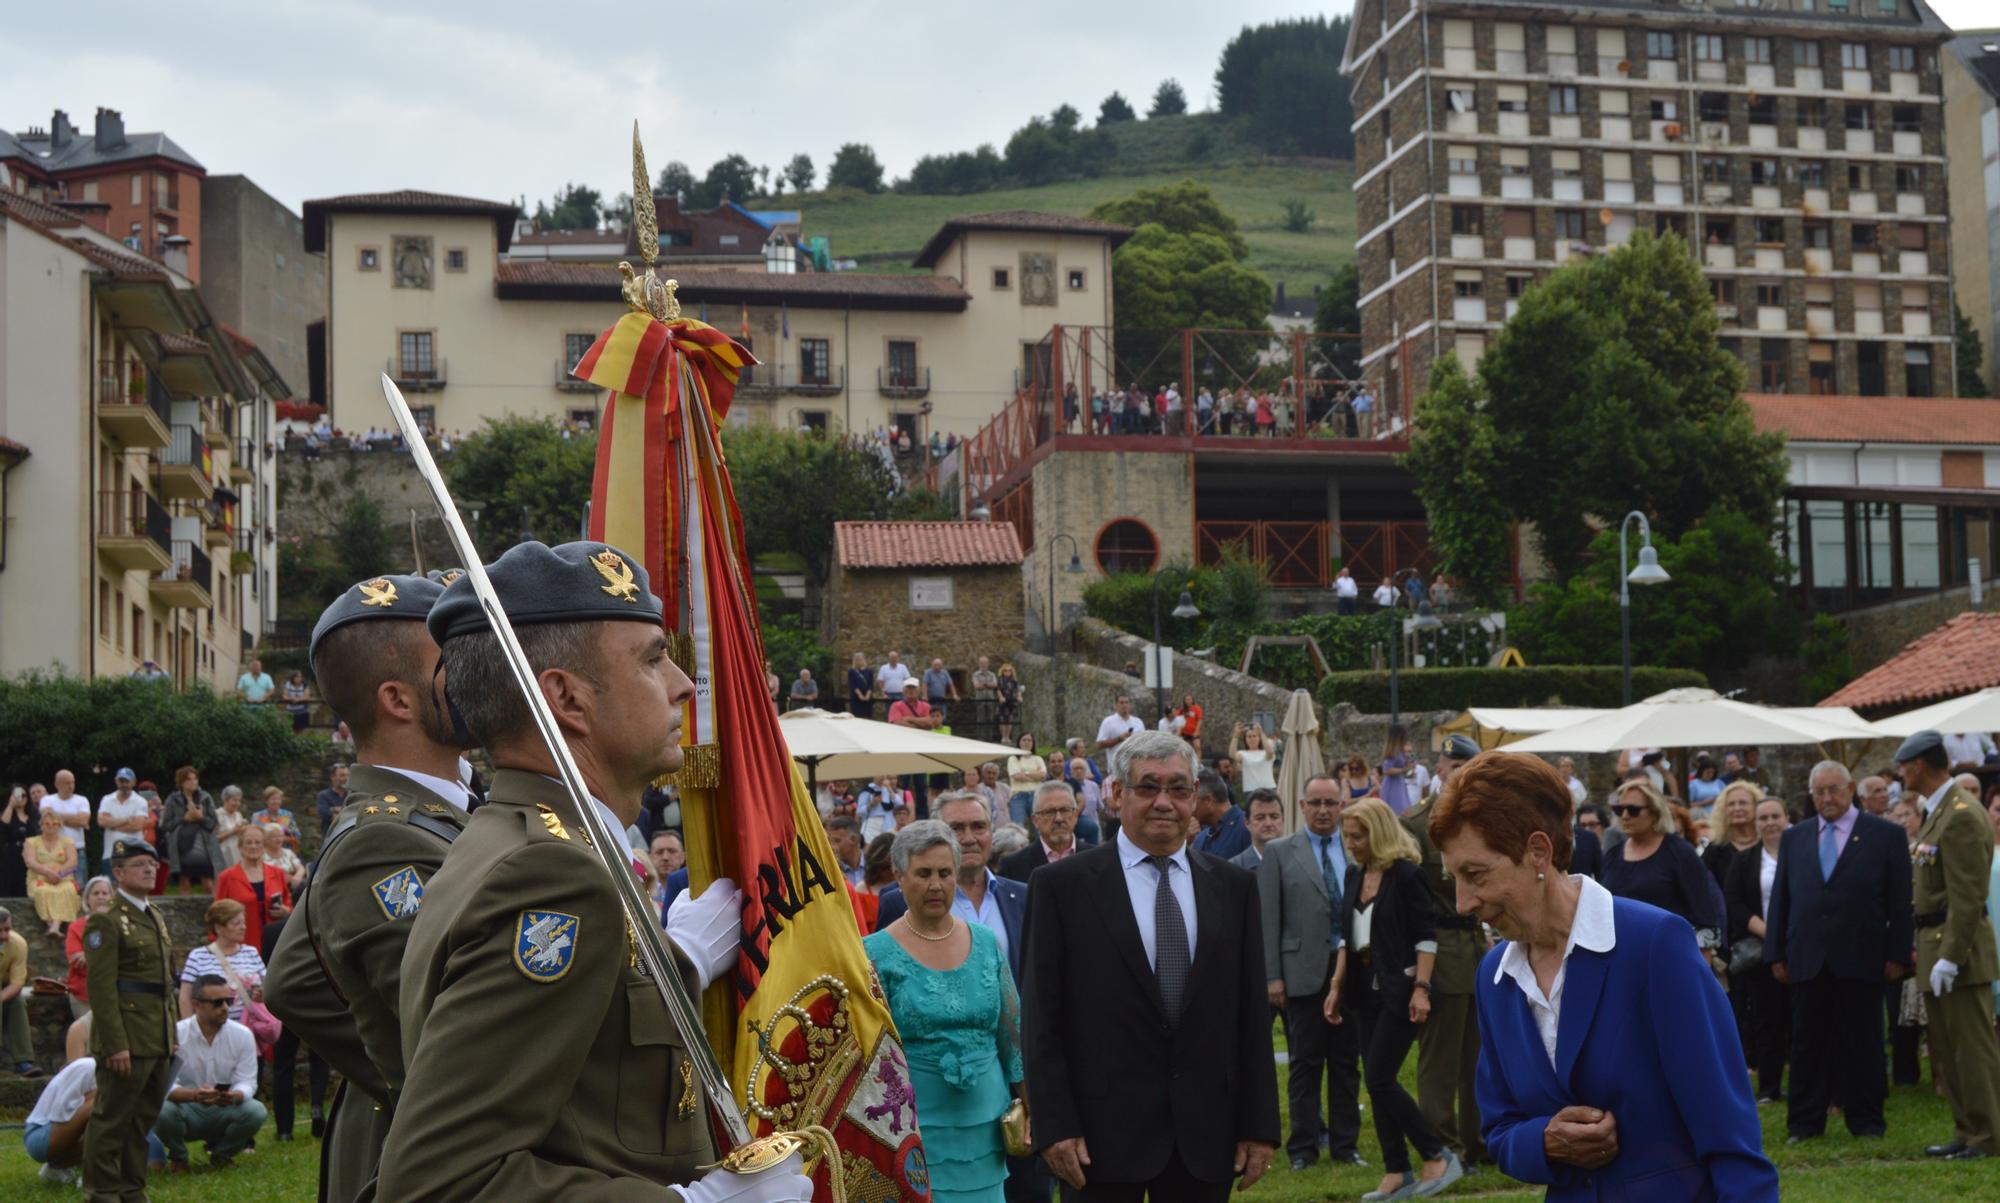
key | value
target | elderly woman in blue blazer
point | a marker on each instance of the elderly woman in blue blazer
(1609, 1064)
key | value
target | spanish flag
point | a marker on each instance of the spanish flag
(804, 1028)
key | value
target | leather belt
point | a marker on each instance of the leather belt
(128, 985)
(1931, 919)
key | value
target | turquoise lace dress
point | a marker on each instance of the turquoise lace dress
(961, 1031)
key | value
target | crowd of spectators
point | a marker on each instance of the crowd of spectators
(1331, 410)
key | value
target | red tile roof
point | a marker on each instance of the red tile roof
(1803, 418)
(926, 544)
(561, 280)
(37, 213)
(1960, 657)
(122, 264)
(1017, 221)
(182, 344)
(408, 200)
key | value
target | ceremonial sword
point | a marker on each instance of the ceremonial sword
(609, 843)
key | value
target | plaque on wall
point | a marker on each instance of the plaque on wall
(1038, 278)
(930, 593)
(410, 255)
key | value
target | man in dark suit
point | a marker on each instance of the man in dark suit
(1145, 1027)
(983, 897)
(1299, 887)
(1054, 817)
(1266, 817)
(1839, 926)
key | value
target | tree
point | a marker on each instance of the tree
(792, 488)
(1284, 77)
(1339, 312)
(1034, 155)
(676, 181)
(1182, 267)
(731, 179)
(799, 173)
(1168, 100)
(1454, 456)
(955, 174)
(576, 207)
(363, 546)
(1064, 120)
(855, 166)
(1114, 109)
(1968, 352)
(525, 478)
(1298, 219)
(1183, 208)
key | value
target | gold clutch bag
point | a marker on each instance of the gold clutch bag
(1014, 1129)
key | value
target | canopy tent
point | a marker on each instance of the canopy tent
(1303, 758)
(1953, 716)
(843, 746)
(1496, 726)
(1694, 718)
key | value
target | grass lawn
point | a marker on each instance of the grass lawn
(1834, 1169)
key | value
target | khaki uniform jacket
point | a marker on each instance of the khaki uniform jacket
(1951, 865)
(542, 1063)
(129, 945)
(1459, 949)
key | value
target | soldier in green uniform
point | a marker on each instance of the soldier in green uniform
(1955, 953)
(541, 1061)
(337, 969)
(129, 968)
(1448, 1042)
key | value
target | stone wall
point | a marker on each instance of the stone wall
(1876, 634)
(869, 611)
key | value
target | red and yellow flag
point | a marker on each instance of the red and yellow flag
(804, 1028)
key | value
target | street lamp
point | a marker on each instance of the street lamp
(1425, 620)
(1075, 565)
(980, 513)
(1648, 572)
(1184, 609)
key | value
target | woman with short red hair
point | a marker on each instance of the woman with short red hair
(1609, 1064)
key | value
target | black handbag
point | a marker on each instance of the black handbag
(1745, 955)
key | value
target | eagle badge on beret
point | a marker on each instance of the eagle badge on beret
(379, 592)
(617, 575)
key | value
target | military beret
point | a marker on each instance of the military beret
(1918, 744)
(444, 576)
(1460, 747)
(572, 582)
(406, 597)
(126, 849)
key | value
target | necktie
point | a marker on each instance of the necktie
(1170, 941)
(1334, 885)
(1829, 849)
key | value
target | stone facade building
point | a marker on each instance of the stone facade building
(945, 589)
(1797, 145)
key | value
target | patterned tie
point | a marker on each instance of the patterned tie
(1829, 849)
(1334, 885)
(1170, 940)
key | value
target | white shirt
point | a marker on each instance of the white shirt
(131, 898)
(75, 804)
(1364, 927)
(987, 912)
(1593, 929)
(63, 1095)
(889, 680)
(1346, 586)
(1142, 883)
(1973, 747)
(1577, 792)
(232, 1058)
(1114, 726)
(1420, 779)
(1385, 594)
(1767, 872)
(111, 806)
(453, 792)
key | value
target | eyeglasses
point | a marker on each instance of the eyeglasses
(1056, 812)
(1627, 812)
(1179, 791)
(1319, 803)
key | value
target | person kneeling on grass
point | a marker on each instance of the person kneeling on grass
(54, 1135)
(211, 1099)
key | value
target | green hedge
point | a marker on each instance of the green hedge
(1459, 688)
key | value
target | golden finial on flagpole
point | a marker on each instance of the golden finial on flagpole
(647, 293)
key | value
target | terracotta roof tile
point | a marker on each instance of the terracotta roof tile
(406, 200)
(926, 544)
(554, 279)
(182, 344)
(37, 213)
(122, 264)
(1804, 418)
(1017, 221)
(1958, 658)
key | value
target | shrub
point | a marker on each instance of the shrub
(1459, 688)
(789, 645)
(1236, 592)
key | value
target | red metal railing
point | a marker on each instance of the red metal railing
(1294, 554)
(1378, 551)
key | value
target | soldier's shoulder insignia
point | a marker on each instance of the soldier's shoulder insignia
(545, 944)
(553, 822)
(401, 893)
(1961, 806)
(94, 939)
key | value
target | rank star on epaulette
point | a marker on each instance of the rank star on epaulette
(371, 810)
(545, 944)
(401, 893)
(435, 808)
(395, 810)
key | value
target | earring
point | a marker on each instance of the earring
(1541, 877)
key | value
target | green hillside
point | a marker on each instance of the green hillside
(884, 232)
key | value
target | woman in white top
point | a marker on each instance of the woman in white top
(226, 956)
(229, 823)
(1256, 757)
(55, 1127)
(1025, 772)
(1767, 1001)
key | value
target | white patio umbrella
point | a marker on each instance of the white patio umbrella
(1953, 716)
(1693, 718)
(840, 746)
(1303, 758)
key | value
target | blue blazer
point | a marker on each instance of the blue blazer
(1851, 924)
(1646, 1034)
(1010, 896)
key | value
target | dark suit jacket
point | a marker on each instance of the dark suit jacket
(1403, 917)
(1586, 858)
(1010, 896)
(1018, 865)
(1103, 1062)
(1852, 924)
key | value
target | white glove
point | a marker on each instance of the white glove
(785, 1182)
(1943, 974)
(707, 929)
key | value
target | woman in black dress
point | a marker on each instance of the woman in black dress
(17, 822)
(1769, 1001)
(1654, 866)
(1008, 712)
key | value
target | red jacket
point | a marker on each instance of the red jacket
(235, 883)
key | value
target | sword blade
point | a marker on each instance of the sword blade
(608, 842)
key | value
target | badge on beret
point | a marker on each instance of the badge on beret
(544, 944)
(379, 592)
(617, 575)
(401, 893)
(94, 940)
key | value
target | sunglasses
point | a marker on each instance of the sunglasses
(1627, 812)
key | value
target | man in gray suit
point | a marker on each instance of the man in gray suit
(1265, 817)
(1299, 886)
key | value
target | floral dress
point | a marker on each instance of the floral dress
(961, 1031)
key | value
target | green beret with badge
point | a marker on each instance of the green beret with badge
(407, 598)
(573, 582)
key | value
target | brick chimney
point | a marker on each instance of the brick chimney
(61, 132)
(174, 252)
(110, 128)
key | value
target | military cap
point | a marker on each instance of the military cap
(1918, 744)
(403, 597)
(1461, 747)
(572, 582)
(126, 849)
(444, 576)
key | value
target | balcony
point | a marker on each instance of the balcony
(770, 379)
(181, 472)
(243, 464)
(130, 408)
(416, 375)
(187, 582)
(133, 530)
(216, 420)
(218, 524)
(905, 383)
(566, 383)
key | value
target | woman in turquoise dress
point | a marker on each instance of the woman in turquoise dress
(955, 1006)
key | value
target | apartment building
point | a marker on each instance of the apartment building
(1798, 146)
(1972, 146)
(142, 189)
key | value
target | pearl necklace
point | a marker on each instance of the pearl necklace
(951, 927)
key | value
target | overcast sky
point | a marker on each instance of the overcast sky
(498, 98)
